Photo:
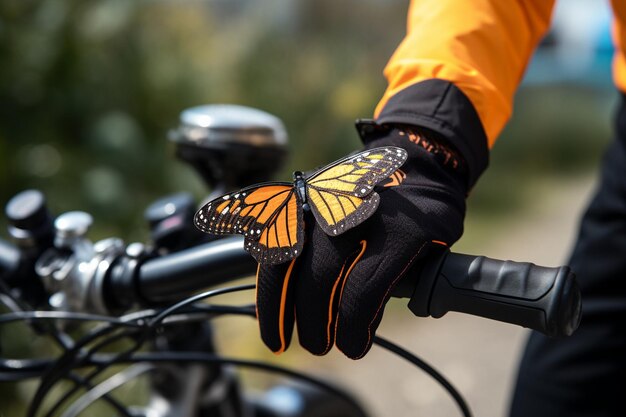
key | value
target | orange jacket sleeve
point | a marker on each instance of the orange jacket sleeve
(458, 67)
(619, 39)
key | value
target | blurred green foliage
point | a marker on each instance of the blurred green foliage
(556, 130)
(89, 89)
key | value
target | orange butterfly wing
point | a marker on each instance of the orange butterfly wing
(268, 215)
(342, 196)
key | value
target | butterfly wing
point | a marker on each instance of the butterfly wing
(268, 215)
(341, 195)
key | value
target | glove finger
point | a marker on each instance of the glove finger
(274, 301)
(319, 282)
(366, 291)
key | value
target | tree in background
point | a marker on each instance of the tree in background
(88, 90)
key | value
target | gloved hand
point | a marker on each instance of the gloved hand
(337, 288)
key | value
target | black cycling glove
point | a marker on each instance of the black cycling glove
(337, 288)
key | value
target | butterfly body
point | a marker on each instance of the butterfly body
(299, 184)
(270, 215)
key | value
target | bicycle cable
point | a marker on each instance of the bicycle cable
(144, 323)
(20, 369)
(146, 330)
(202, 357)
(61, 338)
(106, 386)
(420, 363)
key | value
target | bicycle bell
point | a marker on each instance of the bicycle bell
(230, 146)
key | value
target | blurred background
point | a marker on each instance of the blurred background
(88, 91)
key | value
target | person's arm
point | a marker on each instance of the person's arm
(458, 67)
(451, 83)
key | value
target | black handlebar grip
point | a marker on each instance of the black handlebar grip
(540, 298)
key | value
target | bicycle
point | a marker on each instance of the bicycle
(54, 279)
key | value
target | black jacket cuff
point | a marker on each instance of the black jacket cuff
(442, 107)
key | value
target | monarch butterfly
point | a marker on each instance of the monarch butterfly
(341, 196)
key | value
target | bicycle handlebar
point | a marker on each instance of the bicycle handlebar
(540, 298)
(181, 273)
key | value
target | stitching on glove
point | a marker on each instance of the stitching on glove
(385, 298)
(333, 304)
(352, 265)
(281, 313)
(256, 290)
(331, 315)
